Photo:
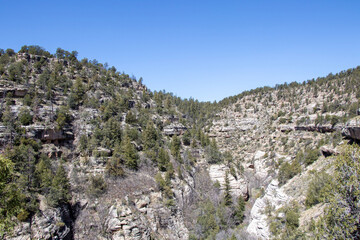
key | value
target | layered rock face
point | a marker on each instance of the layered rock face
(78, 121)
(266, 128)
(274, 196)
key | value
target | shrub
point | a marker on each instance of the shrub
(288, 171)
(114, 168)
(25, 117)
(98, 185)
(341, 219)
(311, 156)
(63, 116)
(319, 189)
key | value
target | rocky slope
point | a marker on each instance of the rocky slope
(266, 127)
(95, 153)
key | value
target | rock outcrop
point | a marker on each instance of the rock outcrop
(238, 185)
(145, 219)
(174, 129)
(274, 196)
(352, 129)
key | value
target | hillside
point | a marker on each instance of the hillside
(89, 151)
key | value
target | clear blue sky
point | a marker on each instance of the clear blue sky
(202, 49)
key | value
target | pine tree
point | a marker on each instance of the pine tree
(130, 118)
(163, 159)
(129, 154)
(44, 175)
(8, 119)
(213, 154)
(186, 138)
(114, 164)
(60, 188)
(175, 146)
(10, 197)
(150, 136)
(239, 211)
(227, 194)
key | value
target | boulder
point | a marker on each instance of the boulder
(174, 129)
(286, 128)
(143, 202)
(352, 129)
(114, 224)
(327, 151)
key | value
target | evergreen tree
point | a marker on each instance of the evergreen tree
(239, 210)
(227, 194)
(163, 159)
(25, 117)
(150, 136)
(8, 119)
(213, 154)
(186, 138)
(10, 197)
(44, 175)
(98, 185)
(114, 164)
(129, 154)
(175, 146)
(60, 188)
(130, 118)
(342, 219)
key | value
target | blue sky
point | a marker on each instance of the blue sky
(207, 50)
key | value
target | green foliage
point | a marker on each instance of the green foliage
(150, 136)
(186, 139)
(292, 218)
(228, 158)
(98, 186)
(114, 167)
(164, 186)
(212, 153)
(207, 220)
(227, 190)
(8, 118)
(25, 117)
(63, 116)
(63, 54)
(311, 155)
(15, 72)
(342, 217)
(284, 225)
(288, 171)
(44, 175)
(10, 196)
(319, 189)
(175, 146)
(130, 118)
(27, 100)
(239, 210)
(129, 154)
(34, 50)
(77, 94)
(83, 143)
(60, 188)
(160, 181)
(163, 159)
(109, 135)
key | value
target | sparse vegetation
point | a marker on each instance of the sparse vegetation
(82, 129)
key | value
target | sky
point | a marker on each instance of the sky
(207, 50)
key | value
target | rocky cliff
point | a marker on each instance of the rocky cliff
(95, 153)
